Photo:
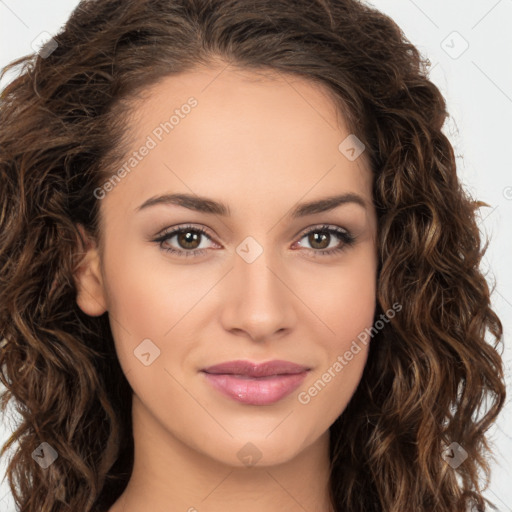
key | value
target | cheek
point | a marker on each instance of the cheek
(140, 306)
(347, 307)
(153, 310)
(345, 299)
(349, 314)
(351, 321)
(143, 295)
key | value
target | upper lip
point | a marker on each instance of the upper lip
(250, 369)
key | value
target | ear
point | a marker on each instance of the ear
(88, 278)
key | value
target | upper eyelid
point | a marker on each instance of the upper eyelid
(170, 232)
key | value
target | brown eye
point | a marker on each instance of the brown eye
(320, 238)
(188, 241)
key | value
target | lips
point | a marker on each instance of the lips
(255, 370)
(256, 384)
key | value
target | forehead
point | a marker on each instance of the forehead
(222, 131)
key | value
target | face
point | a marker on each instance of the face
(258, 280)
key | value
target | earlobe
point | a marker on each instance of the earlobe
(89, 281)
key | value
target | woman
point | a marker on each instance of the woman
(238, 269)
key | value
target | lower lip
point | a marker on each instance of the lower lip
(256, 391)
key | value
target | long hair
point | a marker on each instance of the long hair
(434, 374)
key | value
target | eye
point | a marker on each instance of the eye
(189, 240)
(319, 237)
(187, 237)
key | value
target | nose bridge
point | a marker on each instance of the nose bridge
(255, 267)
(259, 302)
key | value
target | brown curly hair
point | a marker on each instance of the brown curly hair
(63, 124)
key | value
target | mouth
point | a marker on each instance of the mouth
(250, 369)
(256, 384)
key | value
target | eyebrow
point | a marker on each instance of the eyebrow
(207, 205)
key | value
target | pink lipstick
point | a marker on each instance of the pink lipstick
(256, 384)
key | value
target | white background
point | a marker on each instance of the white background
(477, 85)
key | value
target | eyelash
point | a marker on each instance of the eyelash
(346, 237)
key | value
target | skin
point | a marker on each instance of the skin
(261, 144)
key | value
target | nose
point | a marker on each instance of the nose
(259, 302)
